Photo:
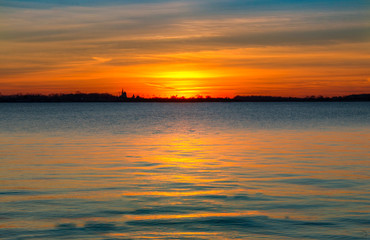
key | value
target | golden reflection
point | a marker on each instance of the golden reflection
(200, 215)
(156, 235)
(177, 193)
(186, 167)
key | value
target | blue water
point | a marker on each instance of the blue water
(184, 170)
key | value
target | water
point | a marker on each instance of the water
(185, 170)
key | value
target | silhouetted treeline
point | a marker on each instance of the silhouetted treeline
(354, 97)
(105, 97)
(75, 97)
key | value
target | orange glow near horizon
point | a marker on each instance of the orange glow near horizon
(216, 82)
(205, 73)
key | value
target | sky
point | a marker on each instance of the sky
(163, 48)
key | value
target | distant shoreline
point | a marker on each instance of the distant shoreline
(105, 97)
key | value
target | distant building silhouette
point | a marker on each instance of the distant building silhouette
(123, 95)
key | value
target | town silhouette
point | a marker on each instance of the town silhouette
(123, 97)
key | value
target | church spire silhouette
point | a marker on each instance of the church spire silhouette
(123, 95)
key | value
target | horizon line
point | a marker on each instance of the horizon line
(106, 97)
(176, 96)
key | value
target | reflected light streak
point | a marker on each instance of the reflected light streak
(200, 215)
(171, 194)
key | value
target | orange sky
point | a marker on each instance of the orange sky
(185, 48)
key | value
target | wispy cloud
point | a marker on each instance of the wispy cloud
(161, 86)
(101, 59)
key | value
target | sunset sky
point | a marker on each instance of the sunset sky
(220, 48)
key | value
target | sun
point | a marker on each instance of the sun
(182, 82)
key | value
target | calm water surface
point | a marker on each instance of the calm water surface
(185, 170)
